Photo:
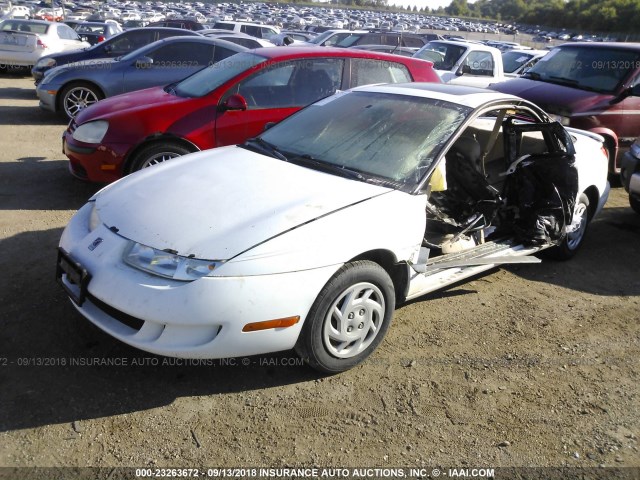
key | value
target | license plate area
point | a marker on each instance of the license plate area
(77, 277)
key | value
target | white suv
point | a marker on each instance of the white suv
(253, 29)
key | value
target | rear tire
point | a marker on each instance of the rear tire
(157, 153)
(349, 318)
(572, 241)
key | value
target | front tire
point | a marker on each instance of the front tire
(573, 240)
(77, 97)
(157, 153)
(349, 318)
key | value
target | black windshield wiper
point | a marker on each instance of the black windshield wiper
(308, 160)
(531, 75)
(265, 147)
(566, 81)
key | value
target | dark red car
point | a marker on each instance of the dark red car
(591, 86)
(224, 104)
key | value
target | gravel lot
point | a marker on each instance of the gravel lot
(527, 366)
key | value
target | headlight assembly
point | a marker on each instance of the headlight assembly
(91, 132)
(169, 265)
(46, 63)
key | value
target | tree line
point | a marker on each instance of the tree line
(575, 15)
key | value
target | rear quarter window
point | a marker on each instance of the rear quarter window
(366, 72)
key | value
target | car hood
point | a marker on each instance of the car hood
(219, 203)
(63, 58)
(128, 102)
(103, 64)
(553, 98)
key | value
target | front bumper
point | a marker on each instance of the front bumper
(20, 59)
(37, 75)
(95, 163)
(47, 97)
(199, 319)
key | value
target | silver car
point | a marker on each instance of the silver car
(23, 42)
(70, 88)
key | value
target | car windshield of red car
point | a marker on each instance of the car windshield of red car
(208, 79)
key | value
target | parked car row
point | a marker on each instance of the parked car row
(587, 77)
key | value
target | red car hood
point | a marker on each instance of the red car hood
(553, 98)
(132, 101)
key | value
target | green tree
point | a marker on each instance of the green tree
(458, 8)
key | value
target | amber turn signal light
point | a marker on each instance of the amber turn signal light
(267, 324)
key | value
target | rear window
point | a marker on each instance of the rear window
(412, 42)
(17, 26)
(90, 29)
(223, 25)
(365, 71)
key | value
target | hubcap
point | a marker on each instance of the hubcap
(580, 225)
(354, 320)
(159, 158)
(78, 99)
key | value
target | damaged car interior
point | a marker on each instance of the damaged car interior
(508, 174)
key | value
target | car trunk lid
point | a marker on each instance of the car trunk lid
(18, 41)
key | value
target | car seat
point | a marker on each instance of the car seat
(468, 190)
(311, 85)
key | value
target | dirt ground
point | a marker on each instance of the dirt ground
(526, 366)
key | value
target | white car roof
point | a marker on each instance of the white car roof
(528, 52)
(468, 96)
(469, 44)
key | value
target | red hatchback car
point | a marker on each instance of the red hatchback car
(223, 104)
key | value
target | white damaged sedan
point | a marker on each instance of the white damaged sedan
(309, 235)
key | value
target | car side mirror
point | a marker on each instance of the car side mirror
(268, 125)
(235, 102)
(144, 62)
(462, 70)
